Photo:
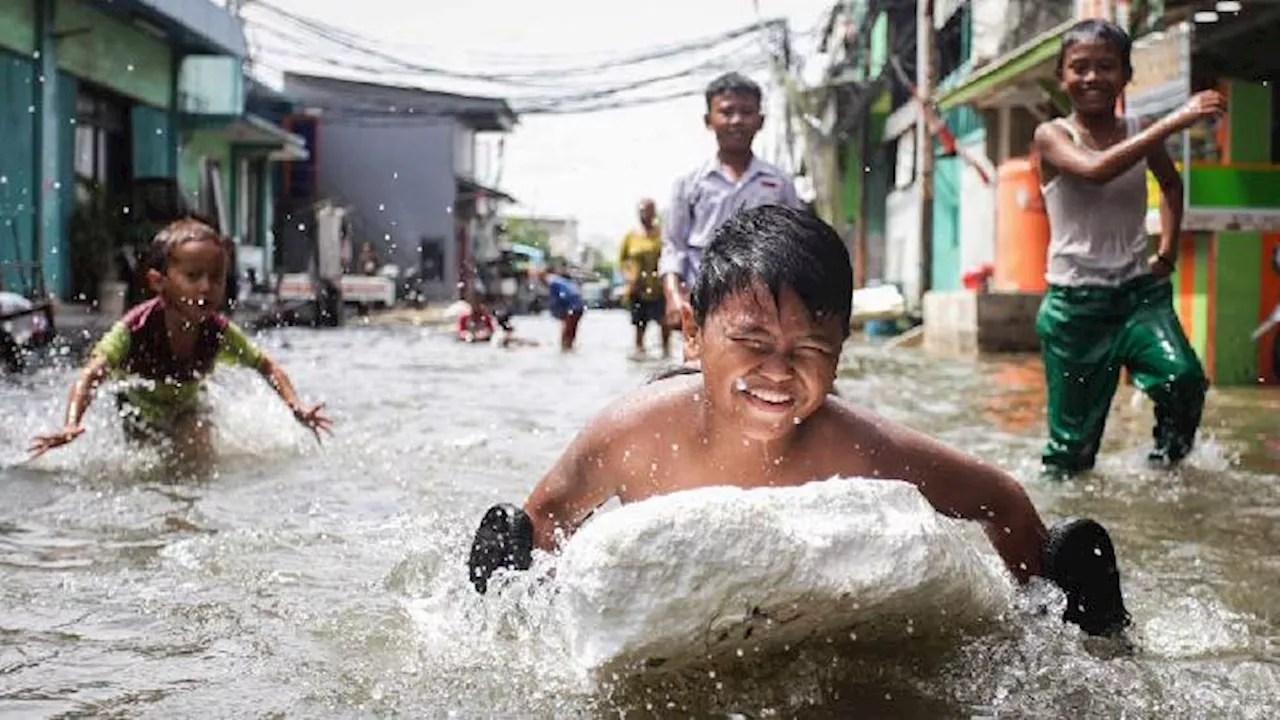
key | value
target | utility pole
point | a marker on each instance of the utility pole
(924, 139)
(783, 68)
(236, 9)
(864, 153)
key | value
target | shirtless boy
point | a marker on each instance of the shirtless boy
(768, 315)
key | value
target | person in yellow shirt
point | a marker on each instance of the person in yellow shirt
(638, 259)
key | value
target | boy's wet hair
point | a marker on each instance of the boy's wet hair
(1098, 30)
(777, 247)
(733, 83)
(182, 230)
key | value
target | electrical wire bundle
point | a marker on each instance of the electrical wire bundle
(530, 84)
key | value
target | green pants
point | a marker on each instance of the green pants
(1086, 335)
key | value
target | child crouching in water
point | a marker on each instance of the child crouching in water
(769, 314)
(476, 324)
(170, 344)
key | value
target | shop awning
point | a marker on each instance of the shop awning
(470, 188)
(527, 250)
(1034, 59)
(198, 25)
(276, 142)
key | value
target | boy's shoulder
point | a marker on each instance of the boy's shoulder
(657, 410)
(850, 440)
(874, 446)
(690, 177)
(841, 420)
(765, 167)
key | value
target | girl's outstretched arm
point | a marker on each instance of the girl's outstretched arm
(78, 401)
(311, 417)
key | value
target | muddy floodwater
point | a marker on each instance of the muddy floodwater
(306, 581)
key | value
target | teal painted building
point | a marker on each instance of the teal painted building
(98, 92)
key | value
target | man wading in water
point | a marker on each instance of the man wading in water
(638, 258)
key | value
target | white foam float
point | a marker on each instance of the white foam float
(694, 576)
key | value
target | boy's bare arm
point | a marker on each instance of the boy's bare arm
(574, 487)
(1056, 146)
(1171, 204)
(964, 487)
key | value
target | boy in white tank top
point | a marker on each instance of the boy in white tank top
(1108, 305)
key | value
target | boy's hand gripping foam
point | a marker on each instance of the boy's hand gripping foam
(1080, 558)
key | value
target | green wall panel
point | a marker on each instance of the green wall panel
(107, 51)
(17, 165)
(197, 144)
(1200, 296)
(18, 26)
(1238, 286)
(945, 267)
(58, 255)
(1250, 119)
(151, 142)
(853, 177)
(1225, 186)
(879, 44)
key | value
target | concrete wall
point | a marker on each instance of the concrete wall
(464, 152)
(399, 183)
(977, 209)
(17, 168)
(902, 243)
(962, 322)
(989, 18)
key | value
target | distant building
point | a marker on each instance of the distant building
(108, 105)
(562, 232)
(405, 162)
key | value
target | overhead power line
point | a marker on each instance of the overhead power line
(610, 84)
(371, 48)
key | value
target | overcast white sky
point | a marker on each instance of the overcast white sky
(592, 166)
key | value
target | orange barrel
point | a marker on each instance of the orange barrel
(1022, 228)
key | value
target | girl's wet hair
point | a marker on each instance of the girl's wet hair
(183, 230)
(777, 247)
(1098, 30)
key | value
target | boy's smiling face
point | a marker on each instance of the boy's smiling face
(767, 365)
(735, 119)
(1093, 75)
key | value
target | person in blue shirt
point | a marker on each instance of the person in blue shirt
(566, 304)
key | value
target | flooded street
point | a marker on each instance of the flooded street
(307, 581)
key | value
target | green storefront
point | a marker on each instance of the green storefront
(226, 165)
(89, 98)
